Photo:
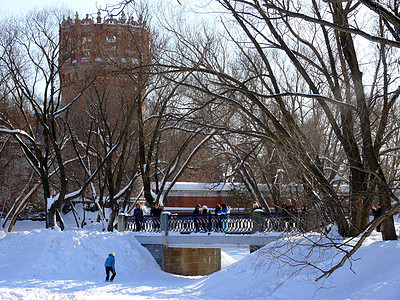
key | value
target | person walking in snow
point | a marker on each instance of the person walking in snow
(110, 266)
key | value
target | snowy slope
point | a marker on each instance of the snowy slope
(376, 276)
(49, 264)
(70, 255)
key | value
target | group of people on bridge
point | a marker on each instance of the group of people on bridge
(220, 209)
(139, 214)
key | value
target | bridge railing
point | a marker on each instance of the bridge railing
(233, 223)
(147, 224)
(282, 222)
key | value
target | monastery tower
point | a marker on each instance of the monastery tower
(98, 55)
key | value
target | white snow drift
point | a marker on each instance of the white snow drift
(49, 264)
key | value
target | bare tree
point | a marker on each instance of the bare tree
(279, 72)
(31, 64)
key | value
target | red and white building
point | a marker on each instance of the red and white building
(184, 196)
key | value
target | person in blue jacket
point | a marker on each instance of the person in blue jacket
(223, 214)
(224, 209)
(110, 266)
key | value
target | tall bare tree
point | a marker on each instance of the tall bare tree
(31, 65)
(286, 70)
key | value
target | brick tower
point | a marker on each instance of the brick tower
(103, 67)
(102, 54)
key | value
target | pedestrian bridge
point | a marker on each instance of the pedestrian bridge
(191, 244)
(214, 240)
(233, 223)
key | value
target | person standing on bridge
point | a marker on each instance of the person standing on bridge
(205, 222)
(138, 214)
(196, 220)
(223, 213)
(156, 210)
(224, 209)
(196, 210)
(110, 266)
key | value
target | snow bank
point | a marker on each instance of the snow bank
(70, 255)
(49, 264)
(44, 264)
(372, 274)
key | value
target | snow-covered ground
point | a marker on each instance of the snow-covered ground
(36, 263)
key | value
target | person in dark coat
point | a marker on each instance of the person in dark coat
(377, 212)
(196, 220)
(110, 266)
(204, 210)
(156, 210)
(138, 214)
(196, 210)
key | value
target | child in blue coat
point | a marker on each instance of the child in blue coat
(110, 266)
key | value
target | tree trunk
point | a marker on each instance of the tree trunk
(113, 215)
(387, 226)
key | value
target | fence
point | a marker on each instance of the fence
(234, 223)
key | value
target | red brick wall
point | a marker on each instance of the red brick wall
(99, 49)
(191, 201)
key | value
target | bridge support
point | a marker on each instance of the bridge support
(156, 250)
(186, 261)
(258, 226)
(164, 222)
(121, 223)
(258, 221)
(191, 261)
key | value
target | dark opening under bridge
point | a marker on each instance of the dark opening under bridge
(191, 244)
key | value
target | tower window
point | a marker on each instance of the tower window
(111, 39)
(85, 42)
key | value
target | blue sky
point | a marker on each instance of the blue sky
(16, 7)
